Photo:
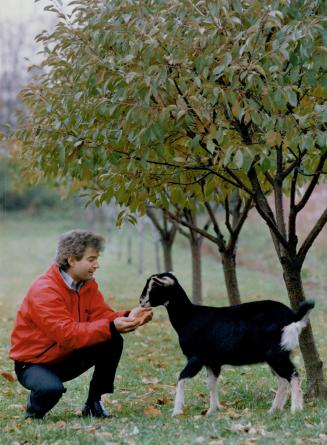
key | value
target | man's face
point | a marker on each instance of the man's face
(83, 269)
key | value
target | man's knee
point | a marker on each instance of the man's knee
(50, 390)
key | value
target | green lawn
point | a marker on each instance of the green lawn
(146, 378)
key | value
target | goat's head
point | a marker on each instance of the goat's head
(155, 292)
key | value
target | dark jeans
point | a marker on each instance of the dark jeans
(45, 381)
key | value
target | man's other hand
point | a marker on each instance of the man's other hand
(141, 314)
(126, 324)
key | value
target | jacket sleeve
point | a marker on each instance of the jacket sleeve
(50, 314)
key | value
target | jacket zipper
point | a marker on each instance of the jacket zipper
(46, 350)
(79, 308)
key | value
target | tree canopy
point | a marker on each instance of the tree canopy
(134, 96)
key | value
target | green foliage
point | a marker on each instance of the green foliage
(16, 194)
(137, 98)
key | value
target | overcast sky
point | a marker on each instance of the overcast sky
(23, 18)
(20, 10)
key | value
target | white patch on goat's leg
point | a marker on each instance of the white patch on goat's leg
(179, 398)
(296, 395)
(212, 385)
(281, 395)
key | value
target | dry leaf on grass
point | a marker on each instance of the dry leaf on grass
(152, 411)
(150, 380)
(8, 376)
(118, 407)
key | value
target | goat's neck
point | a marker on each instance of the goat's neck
(179, 308)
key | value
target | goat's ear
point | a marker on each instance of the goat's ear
(163, 281)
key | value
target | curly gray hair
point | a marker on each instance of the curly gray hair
(74, 243)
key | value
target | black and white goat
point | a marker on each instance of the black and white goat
(256, 332)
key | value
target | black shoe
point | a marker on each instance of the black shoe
(30, 413)
(95, 409)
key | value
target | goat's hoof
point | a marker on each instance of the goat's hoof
(177, 413)
(212, 411)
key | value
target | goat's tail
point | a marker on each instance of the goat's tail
(291, 332)
(304, 308)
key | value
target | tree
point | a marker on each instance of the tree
(167, 230)
(193, 96)
(235, 211)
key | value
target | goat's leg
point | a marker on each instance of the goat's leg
(281, 395)
(282, 364)
(192, 367)
(212, 385)
(296, 394)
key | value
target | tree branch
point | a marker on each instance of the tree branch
(184, 223)
(220, 238)
(312, 236)
(312, 184)
(265, 211)
(237, 228)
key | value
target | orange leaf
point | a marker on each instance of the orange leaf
(8, 376)
(152, 411)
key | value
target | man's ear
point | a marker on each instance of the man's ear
(71, 260)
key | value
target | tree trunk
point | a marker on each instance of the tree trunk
(168, 256)
(196, 243)
(141, 252)
(157, 255)
(129, 246)
(229, 267)
(313, 365)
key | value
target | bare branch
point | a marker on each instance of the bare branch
(312, 236)
(220, 238)
(184, 223)
(312, 184)
(265, 211)
(237, 228)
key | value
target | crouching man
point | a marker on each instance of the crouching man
(64, 327)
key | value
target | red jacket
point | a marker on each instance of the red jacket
(54, 320)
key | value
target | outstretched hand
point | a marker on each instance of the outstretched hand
(142, 314)
(137, 317)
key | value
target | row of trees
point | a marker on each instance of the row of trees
(187, 105)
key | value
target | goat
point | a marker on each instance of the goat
(248, 333)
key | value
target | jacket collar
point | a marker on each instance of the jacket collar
(56, 274)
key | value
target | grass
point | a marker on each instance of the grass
(145, 383)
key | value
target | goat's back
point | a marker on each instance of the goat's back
(235, 335)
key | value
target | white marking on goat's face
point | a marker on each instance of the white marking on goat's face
(145, 299)
(164, 281)
(159, 282)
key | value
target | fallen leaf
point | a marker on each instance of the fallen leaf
(232, 413)
(150, 380)
(118, 407)
(8, 376)
(152, 411)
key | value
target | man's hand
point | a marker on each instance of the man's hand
(126, 324)
(141, 314)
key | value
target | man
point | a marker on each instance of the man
(64, 327)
